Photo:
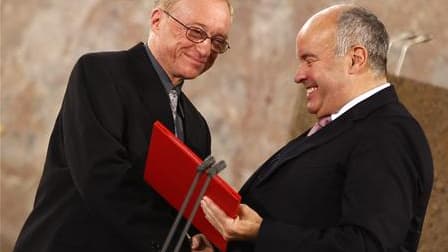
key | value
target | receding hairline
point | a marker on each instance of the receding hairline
(327, 18)
(334, 18)
(330, 14)
(168, 4)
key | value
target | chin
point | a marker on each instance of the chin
(192, 73)
(311, 110)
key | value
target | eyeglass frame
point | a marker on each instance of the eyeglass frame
(204, 35)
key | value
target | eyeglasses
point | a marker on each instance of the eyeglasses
(197, 35)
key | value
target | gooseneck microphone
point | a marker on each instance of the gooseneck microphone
(215, 169)
(209, 161)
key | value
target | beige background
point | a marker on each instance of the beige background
(249, 97)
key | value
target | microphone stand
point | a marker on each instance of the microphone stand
(209, 161)
(215, 169)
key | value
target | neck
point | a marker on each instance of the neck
(354, 88)
(154, 48)
(365, 83)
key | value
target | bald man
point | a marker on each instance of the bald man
(360, 179)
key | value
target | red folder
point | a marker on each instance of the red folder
(170, 170)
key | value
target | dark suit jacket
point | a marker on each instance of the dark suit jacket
(92, 196)
(362, 183)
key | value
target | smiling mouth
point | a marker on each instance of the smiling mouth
(310, 90)
(196, 60)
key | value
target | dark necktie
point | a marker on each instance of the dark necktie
(178, 130)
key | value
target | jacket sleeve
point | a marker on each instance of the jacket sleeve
(113, 191)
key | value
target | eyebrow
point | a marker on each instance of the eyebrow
(308, 55)
(204, 27)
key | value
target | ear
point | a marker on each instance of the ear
(156, 15)
(358, 55)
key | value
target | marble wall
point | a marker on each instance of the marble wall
(249, 97)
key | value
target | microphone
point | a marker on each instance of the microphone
(215, 169)
(209, 161)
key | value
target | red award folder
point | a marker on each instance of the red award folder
(170, 170)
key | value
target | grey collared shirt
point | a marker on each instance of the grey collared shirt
(166, 82)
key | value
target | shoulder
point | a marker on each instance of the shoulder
(103, 59)
(109, 65)
(117, 65)
(97, 72)
(109, 58)
(390, 125)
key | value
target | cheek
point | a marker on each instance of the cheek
(325, 89)
(331, 95)
(211, 61)
(317, 74)
(177, 42)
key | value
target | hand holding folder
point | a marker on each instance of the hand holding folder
(170, 170)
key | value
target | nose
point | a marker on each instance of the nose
(300, 74)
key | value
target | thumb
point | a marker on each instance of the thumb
(195, 242)
(245, 210)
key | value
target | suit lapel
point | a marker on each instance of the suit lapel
(302, 144)
(189, 123)
(187, 117)
(156, 102)
(255, 177)
(150, 89)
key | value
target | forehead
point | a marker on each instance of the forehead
(212, 15)
(316, 36)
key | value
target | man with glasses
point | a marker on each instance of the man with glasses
(92, 196)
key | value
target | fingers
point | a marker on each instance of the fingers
(195, 242)
(225, 225)
(244, 227)
(200, 243)
(213, 213)
(218, 218)
(248, 213)
(214, 209)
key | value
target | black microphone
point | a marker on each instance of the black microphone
(209, 161)
(215, 169)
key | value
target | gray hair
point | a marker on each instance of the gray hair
(357, 25)
(168, 4)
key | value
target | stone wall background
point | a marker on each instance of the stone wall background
(249, 97)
